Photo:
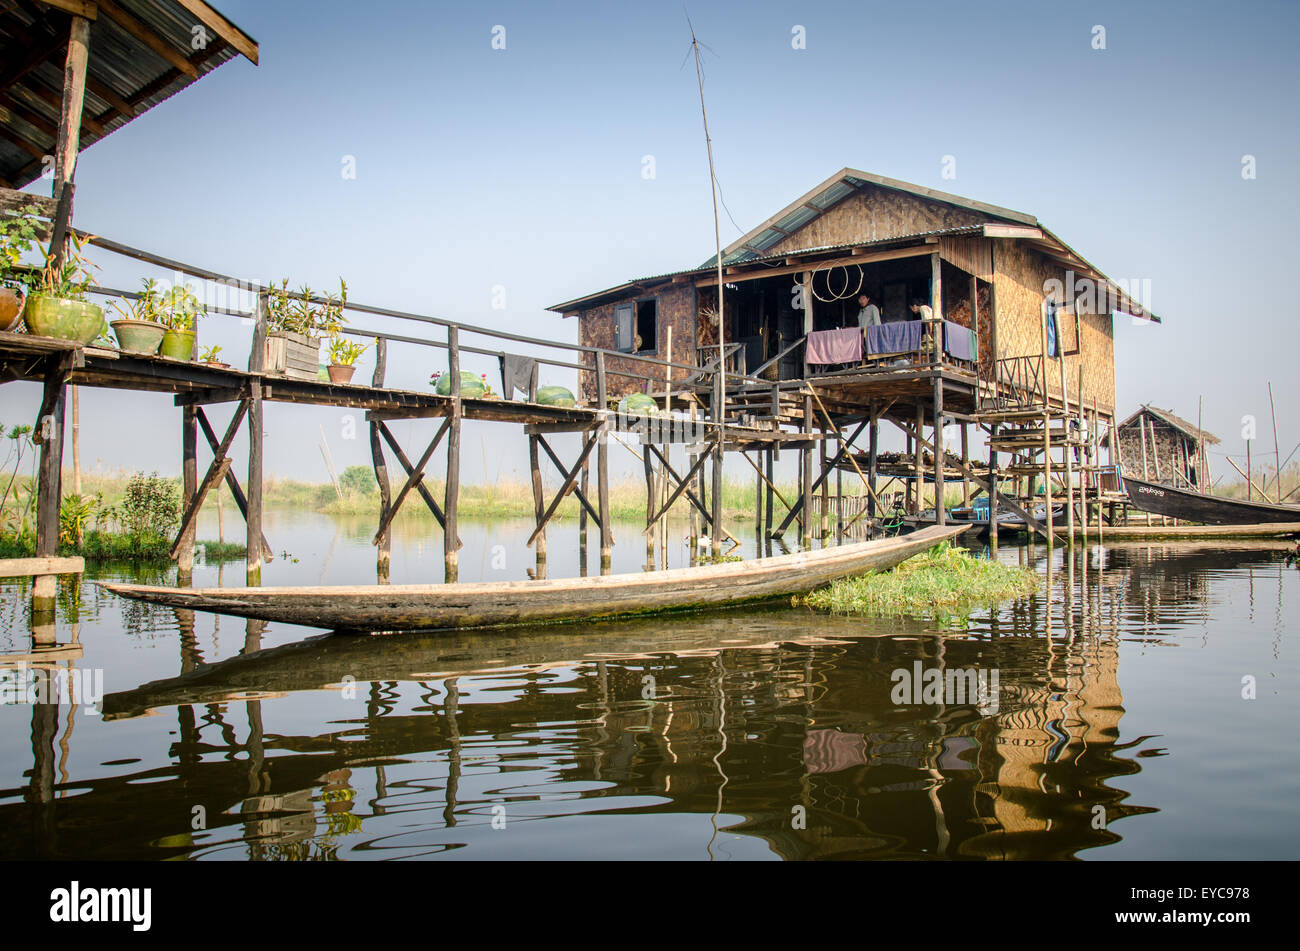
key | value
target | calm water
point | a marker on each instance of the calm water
(1117, 728)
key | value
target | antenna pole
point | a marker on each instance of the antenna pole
(719, 378)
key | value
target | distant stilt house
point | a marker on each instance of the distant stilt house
(1157, 445)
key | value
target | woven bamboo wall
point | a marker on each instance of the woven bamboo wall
(874, 213)
(676, 308)
(1020, 275)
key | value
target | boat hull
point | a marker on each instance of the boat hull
(1207, 509)
(486, 604)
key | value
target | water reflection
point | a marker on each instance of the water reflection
(771, 733)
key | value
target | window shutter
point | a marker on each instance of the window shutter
(623, 327)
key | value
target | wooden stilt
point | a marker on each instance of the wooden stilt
(602, 466)
(383, 554)
(253, 555)
(918, 465)
(651, 497)
(758, 505)
(993, 483)
(253, 508)
(805, 459)
(965, 458)
(691, 460)
(49, 477)
(873, 452)
(839, 505)
(767, 505)
(1047, 478)
(824, 529)
(451, 502)
(384, 545)
(189, 488)
(539, 502)
(585, 485)
(940, 509)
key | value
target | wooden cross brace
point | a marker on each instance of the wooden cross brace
(219, 470)
(570, 482)
(236, 490)
(678, 481)
(988, 486)
(582, 497)
(414, 480)
(798, 504)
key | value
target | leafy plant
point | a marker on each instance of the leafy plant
(148, 306)
(150, 506)
(68, 280)
(75, 514)
(211, 355)
(20, 440)
(344, 352)
(18, 235)
(358, 480)
(180, 307)
(301, 312)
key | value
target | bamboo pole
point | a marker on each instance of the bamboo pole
(1277, 455)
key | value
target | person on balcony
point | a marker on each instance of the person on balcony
(868, 313)
(922, 309)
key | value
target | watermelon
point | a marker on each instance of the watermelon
(637, 404)
(471, 386)
(555, 396)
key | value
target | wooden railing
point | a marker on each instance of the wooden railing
(1017, 382)
(585, 358)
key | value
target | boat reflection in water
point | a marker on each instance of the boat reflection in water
(742, 735)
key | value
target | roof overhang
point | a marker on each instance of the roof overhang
(754, 248)
(140, 53)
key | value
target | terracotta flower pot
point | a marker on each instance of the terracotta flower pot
(63, 319)
(138, 336)
(11, 307)
(341, 374)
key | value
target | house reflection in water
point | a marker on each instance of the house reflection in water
(773, 733)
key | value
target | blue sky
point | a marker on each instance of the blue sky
(521, 168)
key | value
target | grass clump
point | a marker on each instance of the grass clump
(945, 581)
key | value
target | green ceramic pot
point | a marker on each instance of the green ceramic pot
(178, 344)
(138, 336)
(64, 319)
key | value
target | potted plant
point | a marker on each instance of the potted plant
(211, 356)
(139, 330)
(179, 309)
(296, 322)
(343, 358)
(56, 298)
(17, 237)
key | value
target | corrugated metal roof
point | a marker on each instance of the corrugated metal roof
(123, 73)
(756, 259)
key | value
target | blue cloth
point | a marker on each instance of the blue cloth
(959, 342)
(902, 336)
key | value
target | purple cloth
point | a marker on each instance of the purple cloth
(903, 336)
(835, 346)
(958, 341)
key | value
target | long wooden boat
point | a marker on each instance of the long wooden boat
(491, 603)
(1209, 509)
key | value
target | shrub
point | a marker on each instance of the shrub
(151, 506)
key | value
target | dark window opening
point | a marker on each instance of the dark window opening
(647, 326)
